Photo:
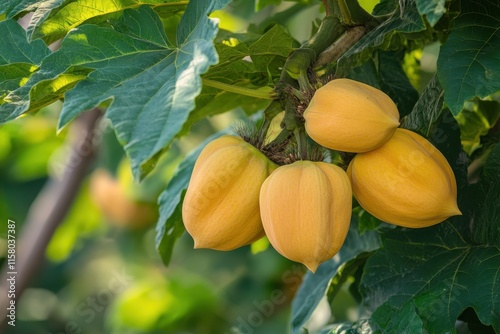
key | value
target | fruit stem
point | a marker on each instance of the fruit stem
(301, 137)
(268, 94)
(301, 59)
(280, 138)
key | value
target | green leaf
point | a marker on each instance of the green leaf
(491, 169)
(427, 109)
(54, 19)
(260, 4)
(429, 270)
(314, 286)
(469, 61)
(170, 226)
(404, 19)
(395, 83)
(432, 9)
(486, 225)
(212, 101)
(346, 270)
(367, 222)
(40, 9)
(11, 8)
(146, 77)
(268, 53)
(275, 42)
(475, 122)
(16, 48)
(12, 76)
(407, 320)
(18, 60)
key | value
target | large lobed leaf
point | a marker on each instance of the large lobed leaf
(15, 47)
(486, 225)
(433, 275)
(153, 83)
(19, 59)
(469, 61)
(53, 19)
(11, 8)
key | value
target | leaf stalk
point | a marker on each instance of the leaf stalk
(260, 94)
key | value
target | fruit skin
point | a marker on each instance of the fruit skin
(406, 182)
(221, 207)
(350, 116)
(306, 211)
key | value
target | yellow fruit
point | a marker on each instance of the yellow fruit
(406, 182)
(306, 211)
(118, 208)
(221, 206)
(350, 116)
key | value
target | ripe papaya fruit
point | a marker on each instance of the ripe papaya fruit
(350, 116)
(221, 206)
(306, 211)
(405, 182)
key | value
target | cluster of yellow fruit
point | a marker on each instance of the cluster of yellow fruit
(237, 195)
(397, 175)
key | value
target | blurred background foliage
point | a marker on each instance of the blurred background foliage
(103, 274)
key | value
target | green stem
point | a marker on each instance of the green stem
(301, 59)
(281, 137)
(328, 32)
(329, 8)
(260, 94)
(298, 62)
(351, 13)
(290, 121)
(301, 137)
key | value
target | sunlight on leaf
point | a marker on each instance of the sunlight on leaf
(154, 82)
(55, 19)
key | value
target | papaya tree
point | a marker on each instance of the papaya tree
(396, 103)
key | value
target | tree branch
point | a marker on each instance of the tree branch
(50, 207)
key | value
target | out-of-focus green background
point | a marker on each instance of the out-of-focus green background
(103, 275)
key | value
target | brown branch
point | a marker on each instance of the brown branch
(49, 208)
(344, 43)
